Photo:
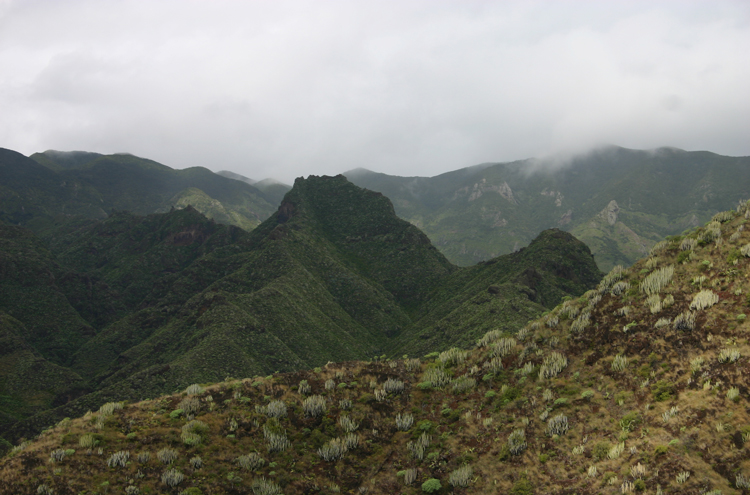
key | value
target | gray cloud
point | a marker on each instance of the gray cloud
(290, 88)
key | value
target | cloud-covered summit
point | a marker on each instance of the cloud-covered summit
(282, 89)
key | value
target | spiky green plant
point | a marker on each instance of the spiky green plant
(684, 321)
(412, 364)
(657, 280)
(729, 355)
(503, 347)
(304, 388)
(167, 455)
(460, 477)
(410, 476)
(275, 436)
(662, 322)
(653, 303)
(557, 425)
(393, 386)
(688, 244)
(333, 450)
(552, 365)
(314, 406)
(262, 486)
(348, 424)
(489, 338)
(436, 376)
(517, 442)
(620, 288)
(404, 421)
(733, 394)
(453, 356)
(109, 408)
(120, 459)
(172, 477)
(616, 450)
(463, 384)
(704, 299)
(251, 462)
(580, 323)
(194, 389)
(619, 363)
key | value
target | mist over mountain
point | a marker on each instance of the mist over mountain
(620, 202)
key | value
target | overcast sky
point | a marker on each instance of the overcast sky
(289, 88)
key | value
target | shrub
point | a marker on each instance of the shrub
(190, 405)
(704, 299)
(517, 442)
(657, 280)
(619, 363)
(314, 406)
(251, 461)
(348, 424)
(461, 476)
(194, 389)
(503, 347)
(436, 377)
(172, 477)
(557, 425)
(453, 356)
(109, 408)
(119, 459)
(463, 384)
(729, 355)
(431, 485)
(489, 338)
(304, 388)
(393, 386)
(261, 486)
(684, 321)
(522, 487)
(404, 422)
(552, 365)
(662, 390)
(167, 455)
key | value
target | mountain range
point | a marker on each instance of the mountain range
(620, 202)
(638, 385)
(129, 306)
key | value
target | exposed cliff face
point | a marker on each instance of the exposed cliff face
(610, 212)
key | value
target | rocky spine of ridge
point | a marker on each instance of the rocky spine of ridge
(639, 385)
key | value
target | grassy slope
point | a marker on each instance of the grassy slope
(469, 421)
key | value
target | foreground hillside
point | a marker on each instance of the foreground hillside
(135, 307)
(640, 385)
(618, 201)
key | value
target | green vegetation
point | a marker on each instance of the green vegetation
(656, 406)
(620, 202)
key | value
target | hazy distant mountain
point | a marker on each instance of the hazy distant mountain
(232, 175)
(54, 187)
(618, 201)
